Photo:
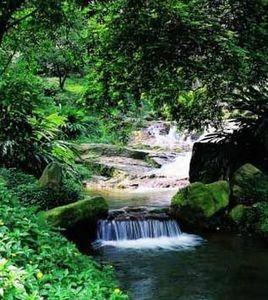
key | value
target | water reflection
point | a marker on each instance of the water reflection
(226, 267)
(118, 198)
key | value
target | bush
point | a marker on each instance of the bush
(36, 262)
(46, 198)
(29, 192)
(30, 125)
(14, 177)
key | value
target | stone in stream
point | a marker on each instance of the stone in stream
(196, 204)
(139, 213)
(136, 165)
(237, 213)
(110, 150)
(83, 211)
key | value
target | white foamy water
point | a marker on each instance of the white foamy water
(171, 140)
(146, 234)
(184, 241)
(178, 168)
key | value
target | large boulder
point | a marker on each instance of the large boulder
(209, 162)
(249, 185)
(71, 215)
(52, 176)
(196, 204)
(216, 161)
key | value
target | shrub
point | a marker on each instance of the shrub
(14, 177)
(46, 198)
(29, 192)
(36, 262)
(30, 126)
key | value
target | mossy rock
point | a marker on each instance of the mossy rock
(249, 185)
(237, 213)
(67, 216)
(52, 176)
(257, 219)
(199, 202)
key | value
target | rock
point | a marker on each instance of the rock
(237, 213)
(209, 162)
(139, 213)
(260, 219)
(107, 166)
(195, 204)
(52, 176)
(110, 150)
(215, 161)
(67, 216)
(255, 220)
(249, 185)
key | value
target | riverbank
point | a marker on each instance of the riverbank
(37, 262)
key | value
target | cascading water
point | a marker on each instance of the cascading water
(140, 234)
(135, 229)
(179, 168)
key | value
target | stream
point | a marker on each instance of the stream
(155, 259)
(223, 267)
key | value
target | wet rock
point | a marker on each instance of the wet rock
(196, 204)
(68, 216)
(139, 213)
(237, 213)
(86, 151)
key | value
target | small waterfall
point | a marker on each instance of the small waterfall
(171, 139)
(179, 168)
(137, 229)
(141, 234)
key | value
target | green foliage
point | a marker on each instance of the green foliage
(29, 192)
(28, 133)
(77, 122)
(14, 177)
(165, 51)
(37, 263)
(249, 185)
(45, 198)
(64, 52)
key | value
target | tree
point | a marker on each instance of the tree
(64, 51)
(159, 51)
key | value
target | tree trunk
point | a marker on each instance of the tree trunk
(62, 80)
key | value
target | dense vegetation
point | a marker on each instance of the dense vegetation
(37, 263)
(91, 71)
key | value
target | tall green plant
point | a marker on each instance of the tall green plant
(28, 133)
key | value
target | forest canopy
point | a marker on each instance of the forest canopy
(180, 60)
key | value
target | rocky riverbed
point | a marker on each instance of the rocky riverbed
(156, 157)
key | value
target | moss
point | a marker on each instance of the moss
(52, 176)
(237, 213)
(249, 185)
(262, 218)
(85, 210)
(199, 202)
